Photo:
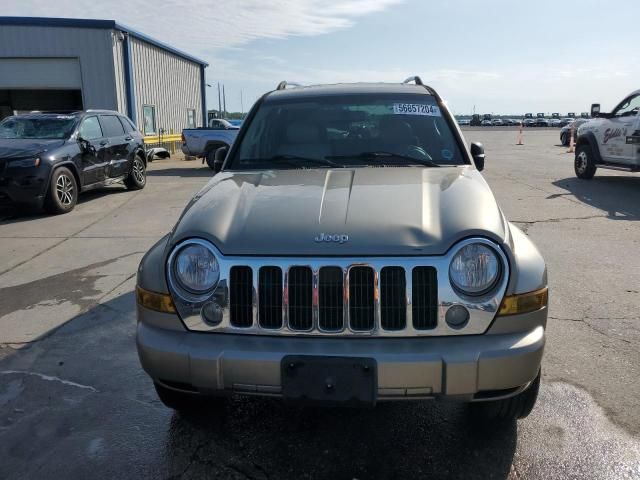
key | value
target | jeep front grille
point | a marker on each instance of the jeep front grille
(355, 298)
(270, 297)
(425, 288)
(300, 298)
(330, 299)
(241, 296)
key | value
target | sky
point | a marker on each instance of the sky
(494, 56)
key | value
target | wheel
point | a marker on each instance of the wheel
(63, 191)
(564, 139)
(211, 158)
(584, 164)
(137, 177)
(186, 402)
(508, 409)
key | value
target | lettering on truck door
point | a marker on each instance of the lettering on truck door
(624, 122)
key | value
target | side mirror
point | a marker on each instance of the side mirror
(85, 146)
(219, 158)
(477, 152)
(595, 109)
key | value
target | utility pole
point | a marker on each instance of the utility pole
(219, 102)
(224, 101)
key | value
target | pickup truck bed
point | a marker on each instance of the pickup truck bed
(203, 142)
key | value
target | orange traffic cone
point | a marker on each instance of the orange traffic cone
(520, 136)
(572, 142)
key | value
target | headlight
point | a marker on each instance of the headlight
(475, 269)
(25, 163)
(195, 267)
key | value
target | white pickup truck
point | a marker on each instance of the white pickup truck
(610, 140)
(204, 142)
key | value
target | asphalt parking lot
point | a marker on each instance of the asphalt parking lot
(74, 402)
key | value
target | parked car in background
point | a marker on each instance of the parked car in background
(529, 122)
(565, 132)
(610, 140)
(464, 122)
(585, 115)
(541, 122)
(487, 123)
(204, 142)
(48, 159)
(265, 286)
(555, 122)
(571, 115)
(566, 121)
(497, 122)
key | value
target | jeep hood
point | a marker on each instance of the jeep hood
(15, 148)
(384, 211)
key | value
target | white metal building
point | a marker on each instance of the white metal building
(73, 64)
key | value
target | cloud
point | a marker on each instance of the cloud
(203, 26)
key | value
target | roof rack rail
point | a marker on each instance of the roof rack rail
(284, 84)
(418, 81)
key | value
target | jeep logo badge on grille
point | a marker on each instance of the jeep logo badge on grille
(332, 238)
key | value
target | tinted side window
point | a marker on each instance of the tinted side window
(112, 126)
(90, 128)
(126, 124)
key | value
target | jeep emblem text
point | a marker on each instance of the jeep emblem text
(335, 238)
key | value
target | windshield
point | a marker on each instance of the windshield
(348, 131)
(59, 127)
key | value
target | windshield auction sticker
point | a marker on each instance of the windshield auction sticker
(416, 109)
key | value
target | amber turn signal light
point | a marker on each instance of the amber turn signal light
(160, 302)
(524, 302)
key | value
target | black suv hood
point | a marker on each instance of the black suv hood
(24, 148)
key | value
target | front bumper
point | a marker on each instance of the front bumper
(23, 185)
(464, 367)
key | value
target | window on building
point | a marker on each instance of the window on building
(149, 116)
(90, 128)
(191, 118)
(111, 126)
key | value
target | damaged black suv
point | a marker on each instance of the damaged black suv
(47, 159)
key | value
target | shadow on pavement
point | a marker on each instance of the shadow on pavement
(76, 404)
(618, 196)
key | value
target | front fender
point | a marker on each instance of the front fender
(590, 139)
(529, 272)
(151, 273)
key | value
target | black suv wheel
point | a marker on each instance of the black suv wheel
(62, 194)
(508, 409)
(137, 178)
(584, 164)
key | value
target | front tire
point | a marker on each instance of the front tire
(508, 409)
(137, 178)
(62, 195)
(564, 139)
(211, 158)
(584, 163)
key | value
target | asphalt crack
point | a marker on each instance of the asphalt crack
(592, 327)
(49, 378)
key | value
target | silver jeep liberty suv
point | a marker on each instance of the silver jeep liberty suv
(348, 251)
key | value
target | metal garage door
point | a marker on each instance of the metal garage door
(40, 73)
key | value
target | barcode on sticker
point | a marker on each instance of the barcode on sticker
(416, 109)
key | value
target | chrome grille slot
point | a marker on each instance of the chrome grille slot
(300, 298)
(330, 299)
(241, 296)
(424, 298)
(270, 297)
(393, 298)
(361, 298)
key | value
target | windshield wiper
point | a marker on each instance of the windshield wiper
(383, 154)
(293, 160)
